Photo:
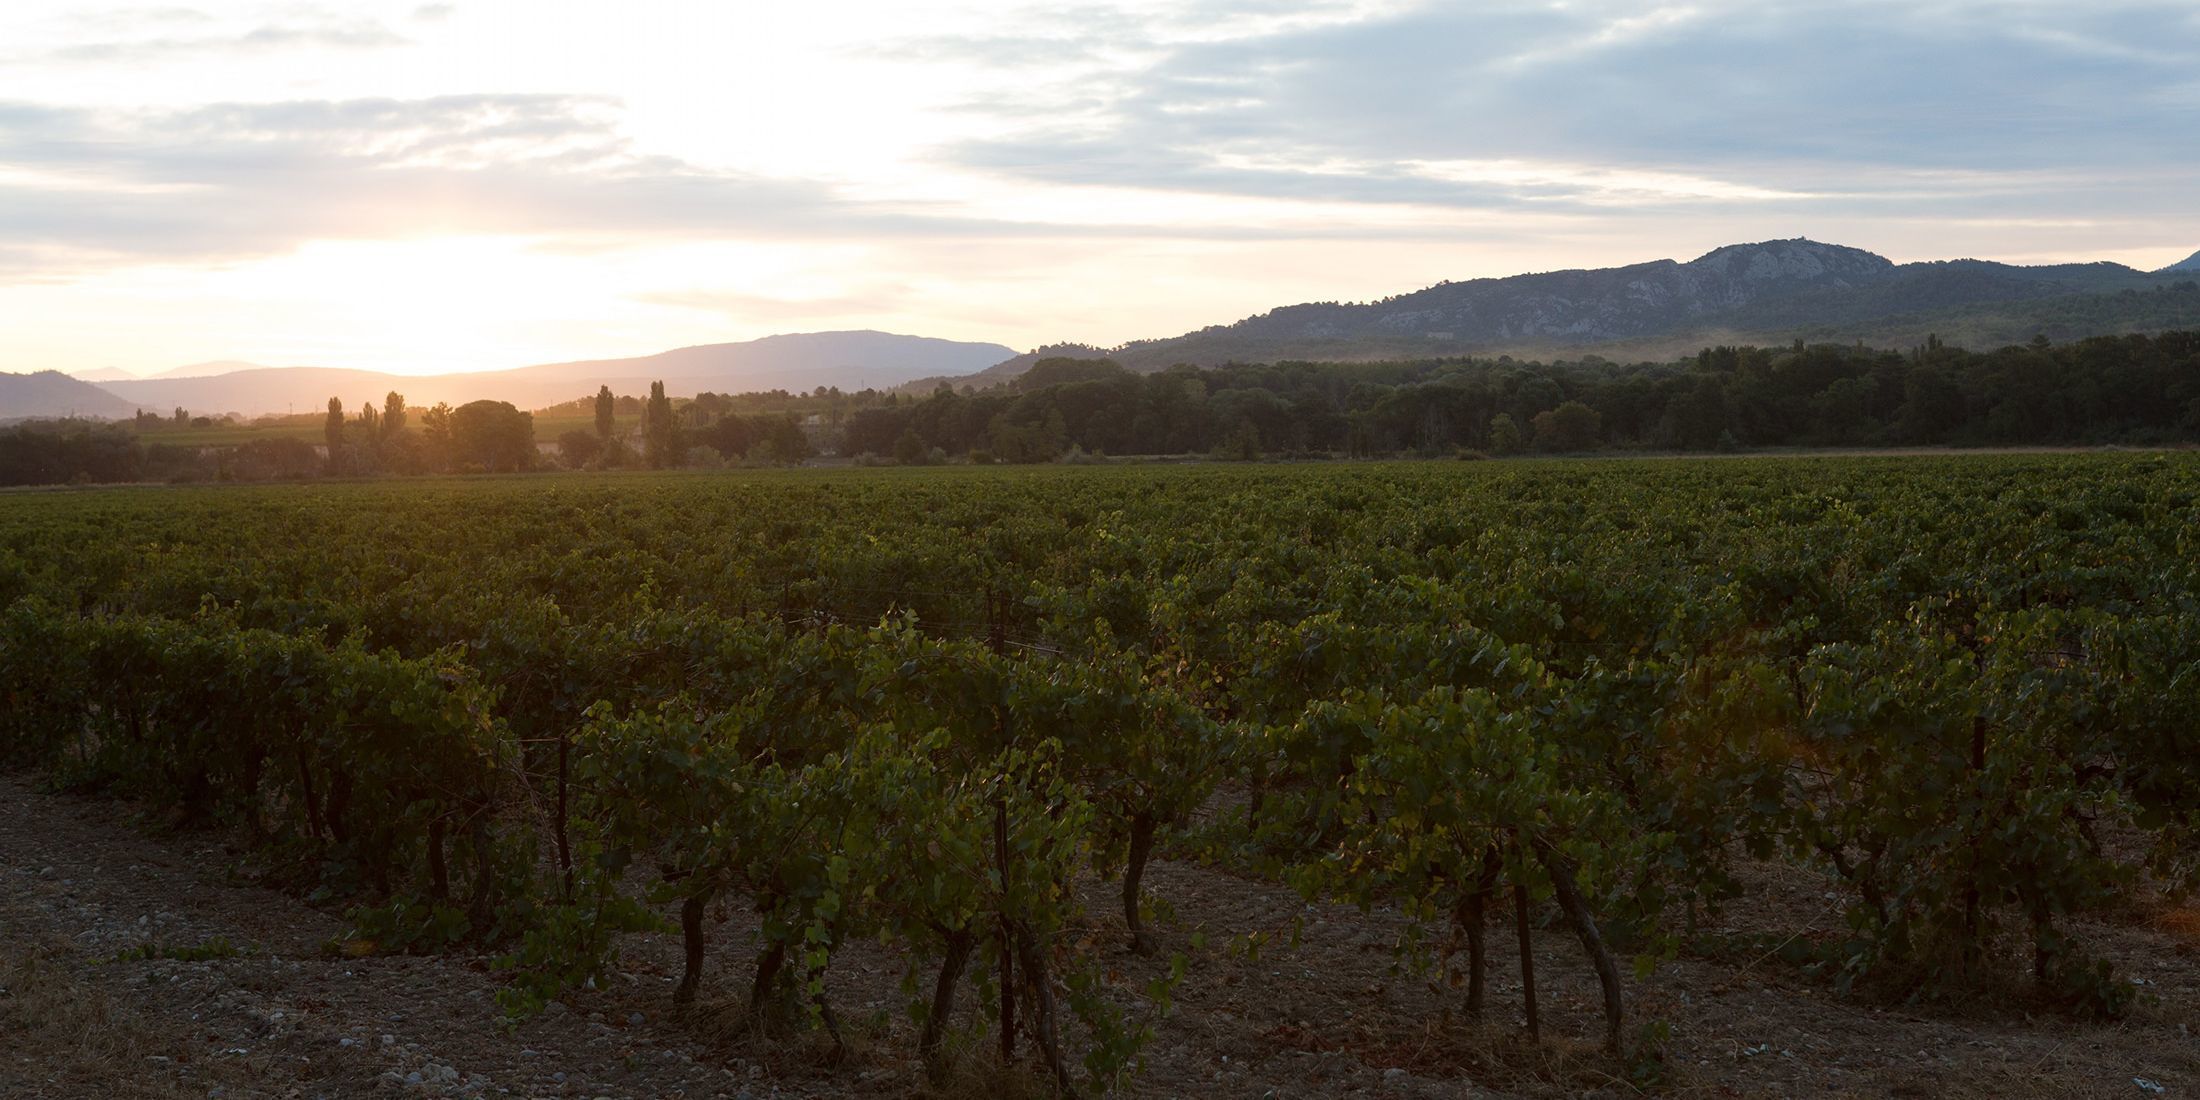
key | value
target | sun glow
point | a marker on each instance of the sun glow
(462, 303)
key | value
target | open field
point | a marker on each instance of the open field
(1866, 777)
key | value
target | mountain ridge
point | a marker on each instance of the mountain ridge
(50, 393)
(1764, 290)
(849, 359)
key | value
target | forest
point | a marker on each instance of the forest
(2107, 390)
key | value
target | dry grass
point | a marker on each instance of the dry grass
(64, 1037)
(2180, 923)
(974, 1076)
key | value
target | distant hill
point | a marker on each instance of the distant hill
(1007, 369)
(849, 360)
(1768, 292)
(802, 361)
(2188, 264)
(50, 393)
(264, 390)
(102, 374)
(209, 369)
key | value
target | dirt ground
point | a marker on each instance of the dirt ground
(242, 998)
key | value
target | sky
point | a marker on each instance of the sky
(484, 184)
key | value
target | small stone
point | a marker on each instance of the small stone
(634, 1019)
(347, 1042)
(389, 1040)
(414, 1079)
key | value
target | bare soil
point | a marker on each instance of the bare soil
(136, 962)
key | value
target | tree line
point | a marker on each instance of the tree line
(2110, 390)
(707, 430)
(2132, 390)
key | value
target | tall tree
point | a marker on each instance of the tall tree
(393, 414)
(493, 435)
(333, 430)
(605, 405)
(435, 435)
(657, 429)
(1504, 434)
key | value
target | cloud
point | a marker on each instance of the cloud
(111, 21)
(310, 30)
(234, 180)
(1218, 120)
(1757, 103)
(728, 303)
(84, 189)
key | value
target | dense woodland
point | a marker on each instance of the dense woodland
(2133, 389)
(2137, 390)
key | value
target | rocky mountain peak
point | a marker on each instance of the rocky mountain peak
(1800, 259)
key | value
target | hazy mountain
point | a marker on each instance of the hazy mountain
(849, 360)
(1007, 368)
(1767, 292)
(50, 393)
(209, 369)
(102, 374)
(801, 361)
(263, 390)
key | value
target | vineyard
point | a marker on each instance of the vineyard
(955, 720)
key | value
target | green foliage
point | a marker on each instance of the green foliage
(405, 925)
(919, 707)
(569, 945)
(491, 435)
(1572, 426)
(1504, 435)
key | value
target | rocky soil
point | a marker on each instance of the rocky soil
(141, 963)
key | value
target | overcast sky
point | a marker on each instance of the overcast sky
(481, 184)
